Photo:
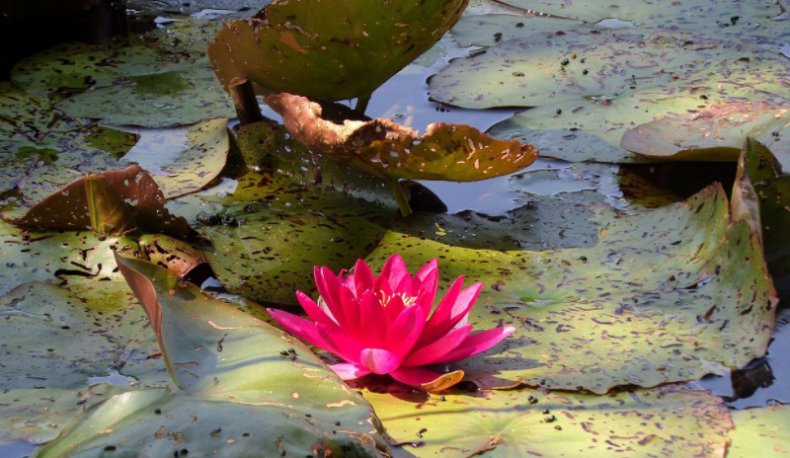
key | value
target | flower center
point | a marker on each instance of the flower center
(408, 301)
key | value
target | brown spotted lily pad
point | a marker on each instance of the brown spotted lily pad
(112, 202)
(452, 152)
(290, 46)
(717, 133)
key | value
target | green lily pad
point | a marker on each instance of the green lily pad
(668, 421)
(758, 20)
(452, 152)
(58, 348)
(489, 29)
(772, 189)
(267, 147)
(157, 82)
(542, 70)
(229, 366)
(658, 296)
(759, 432)
(291, 47)
(185, 160)
(717, 133)
(253, 241)
(41, 149)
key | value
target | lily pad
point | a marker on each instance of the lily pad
(228, 366)
(772, 189)
(112, 202)
(489, 29)
(173, 254)
(185, 160)
(41, 147)
(542, 70)
(760, 432)
(669, 420)
(57, 348)
(717, 133)
(155, 83)
(662, 295)
(453, 152)
(291, 47)
(253, 241)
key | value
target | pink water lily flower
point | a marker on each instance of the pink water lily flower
(388, 325)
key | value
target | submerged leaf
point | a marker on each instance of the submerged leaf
(332, 49)
(453, 152)
(112, 202)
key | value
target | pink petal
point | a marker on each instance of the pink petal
(313, 310)
(329, 288)
(371, 318)
(363, 277)
(348, 371)
(435, 351)
(415, 376)
(379, 360)
(405, 331)
(477, 343)
(394, 271)
(350, 310)
(298, 326)
(340, 343)
(428, 277)
(451, 314)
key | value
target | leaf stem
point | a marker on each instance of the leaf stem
(400, 197)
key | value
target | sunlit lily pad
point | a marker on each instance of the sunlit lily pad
(490, 29)
(291, 47)
(542, 70)
(717, 133)
(253, 242)
(58, 349)
(662, 295)
(760, 432)
(173, 254)
(453, 152)
(531, 423)
(229, 366)
(112, 202)
(185, 160)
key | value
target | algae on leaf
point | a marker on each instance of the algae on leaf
(665, 421)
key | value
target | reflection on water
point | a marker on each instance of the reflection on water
(17, 449)
(763, 381)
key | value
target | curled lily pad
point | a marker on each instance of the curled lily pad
(228, 366)
(669, 420)
(290, 46)
(173, 254)
(717, 133)
(112, 202)
(760, 171)
(653, 296)
(452, 152)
